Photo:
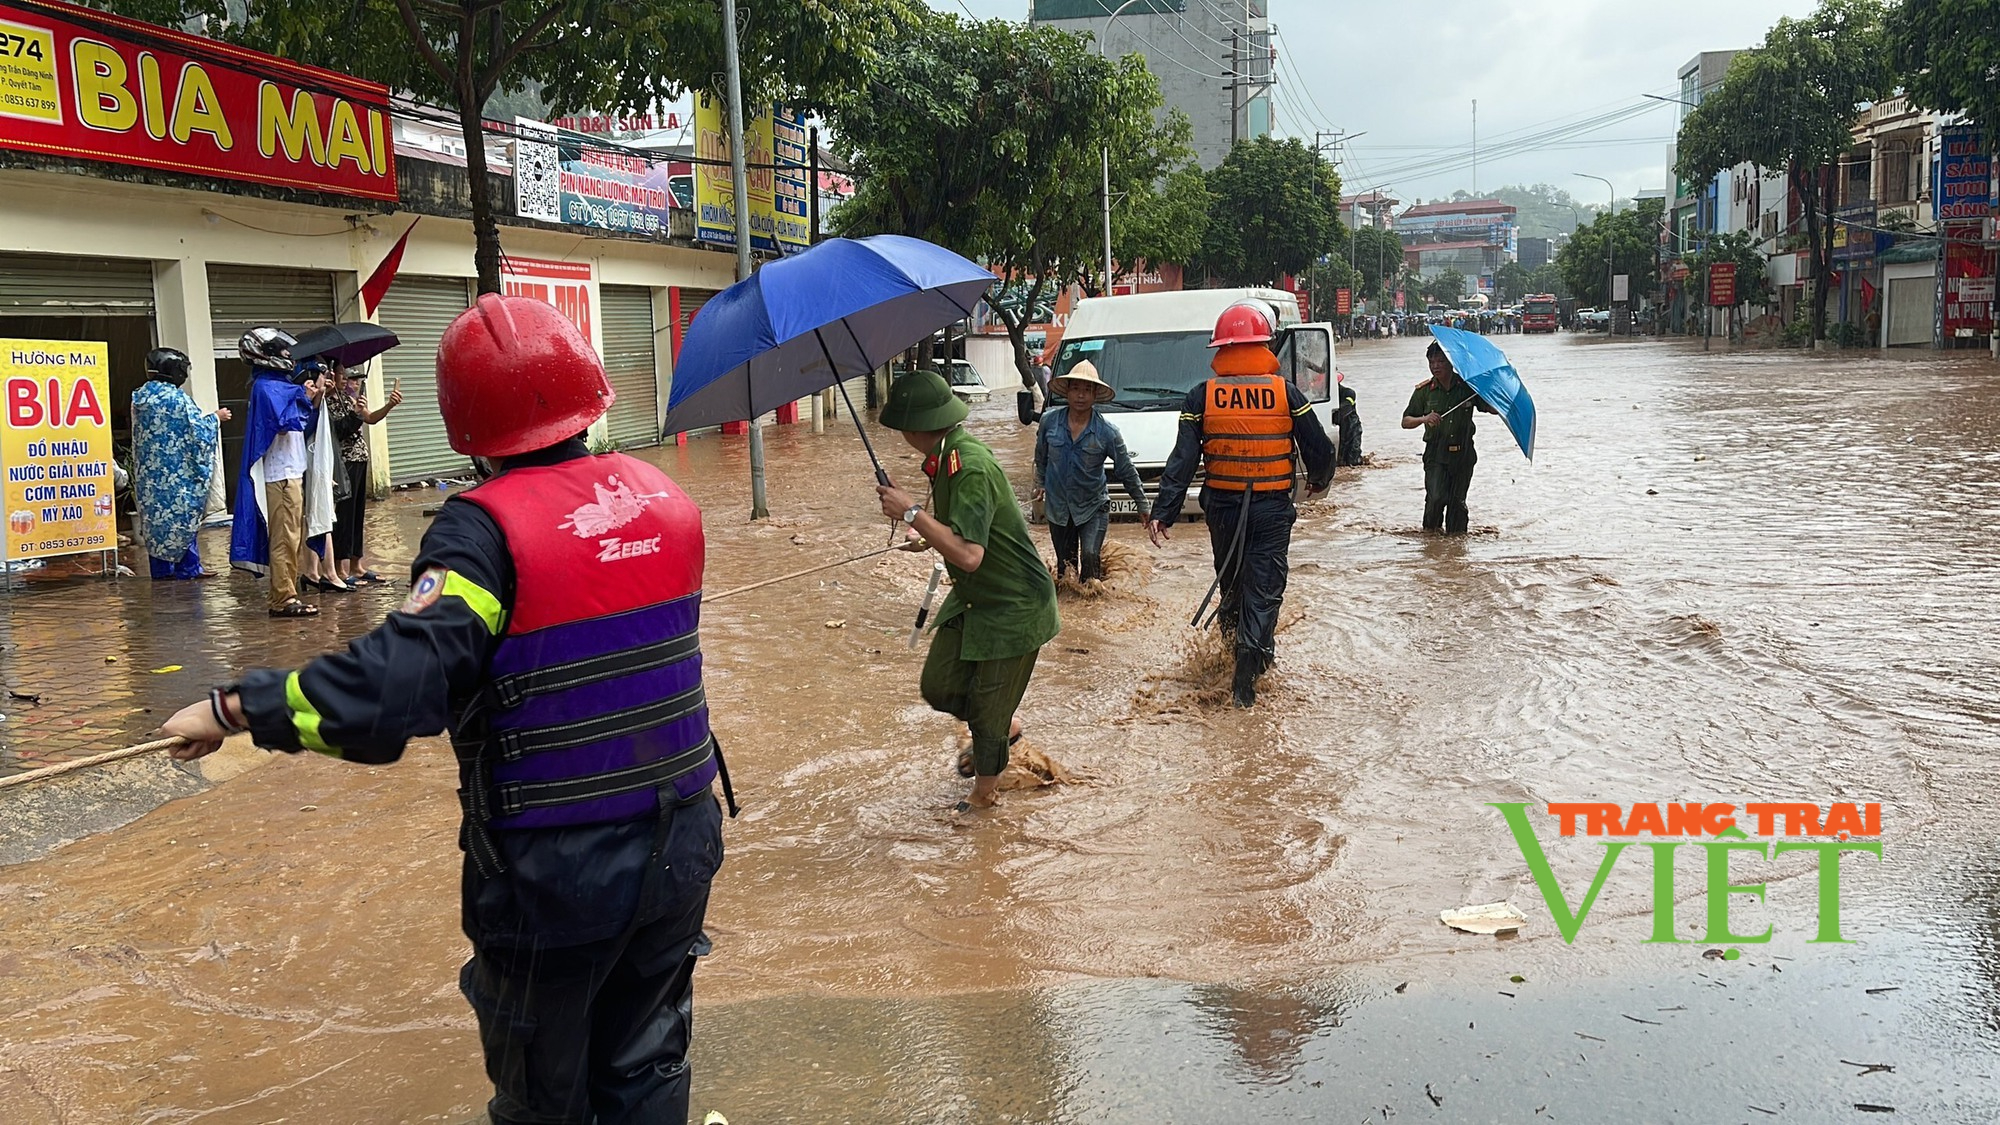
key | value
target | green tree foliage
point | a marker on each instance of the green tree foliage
(1633, 236)
(987, 137)
(1516, 281)
(1276, 210)
(1446, 287)
(1790, 103)
(583, 54)
(1376, 253)
(1947, 54)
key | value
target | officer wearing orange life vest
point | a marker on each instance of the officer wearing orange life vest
(1244, 426)
(552, 628)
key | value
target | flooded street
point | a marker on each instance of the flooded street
(1726, 578)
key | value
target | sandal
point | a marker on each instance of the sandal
(965, 757)
(369, 578)
(295, 608)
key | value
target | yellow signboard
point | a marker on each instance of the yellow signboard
(55, 446)
(715, 192)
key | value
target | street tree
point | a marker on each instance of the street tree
(1633, 238)
(1377, 255)
(1276, 209)
(582, 54)
(1737, 248)
(1946, 54)
(987, 137)
(1790, 104)
(1446, 287)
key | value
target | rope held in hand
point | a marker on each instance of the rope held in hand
(110, 756)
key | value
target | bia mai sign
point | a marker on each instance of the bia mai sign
(82, 83)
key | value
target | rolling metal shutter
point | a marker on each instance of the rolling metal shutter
(626, 319)
(1910, 309)
(418, 310)
(242, 297)
(691, 301)
(54, 285)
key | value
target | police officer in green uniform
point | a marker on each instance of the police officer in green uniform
(1002, 607)
(1438, 406)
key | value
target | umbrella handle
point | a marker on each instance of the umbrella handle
(881, 474)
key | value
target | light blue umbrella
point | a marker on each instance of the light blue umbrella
(1485, 367)
(814, 320)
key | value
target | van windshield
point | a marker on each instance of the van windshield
(1149, 371)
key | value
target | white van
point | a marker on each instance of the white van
(1152, 348)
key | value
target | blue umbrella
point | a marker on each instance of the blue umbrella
(1486, 368)
(835, 312)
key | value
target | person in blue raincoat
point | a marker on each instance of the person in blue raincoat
(173, 455)
(270, 495)
(1070, 452)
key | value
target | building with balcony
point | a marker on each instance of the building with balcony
(1473, 236)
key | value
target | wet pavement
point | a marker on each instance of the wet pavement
(1727, 577)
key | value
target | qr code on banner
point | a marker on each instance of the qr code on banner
(537, 184)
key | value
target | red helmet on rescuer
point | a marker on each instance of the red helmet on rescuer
(514, 376)
(1245, 322)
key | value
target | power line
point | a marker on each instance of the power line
(1285, 52)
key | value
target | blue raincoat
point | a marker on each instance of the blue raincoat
(174, 442)
(277, 405)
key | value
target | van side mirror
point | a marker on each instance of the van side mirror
(1305, 359)
(1024, 402)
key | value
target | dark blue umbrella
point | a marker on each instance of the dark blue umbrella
(800, 325)
(1486, 368)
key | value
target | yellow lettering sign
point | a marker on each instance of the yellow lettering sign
(102, 101)
(296, 128)
(198, 110)
(343, 140)
(151, 97)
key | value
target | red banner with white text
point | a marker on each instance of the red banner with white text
(82, 83)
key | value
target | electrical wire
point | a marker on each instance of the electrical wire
(1285, 52)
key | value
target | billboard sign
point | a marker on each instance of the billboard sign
(56, 448)
(1965, 174)
(1722, 285)
(564, 177)
(86, 84)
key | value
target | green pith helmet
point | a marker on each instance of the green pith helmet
(922, 402)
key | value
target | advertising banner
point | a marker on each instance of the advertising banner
(1968, 283)
(1722, 285)
(715, 194)
(1853, 236)
(566, 285)
(56, 448)
(81, 83)
(791, 189)
(561, 177)
(1965, 173)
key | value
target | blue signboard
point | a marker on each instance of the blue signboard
(1965, 174)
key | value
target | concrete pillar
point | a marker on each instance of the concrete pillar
(819, 412)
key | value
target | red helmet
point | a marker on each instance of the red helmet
(1245, 322)
(514, 375)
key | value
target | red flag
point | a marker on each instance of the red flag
(1867, 294)
(378, 282)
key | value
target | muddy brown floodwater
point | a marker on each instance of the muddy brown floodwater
(1748, 577)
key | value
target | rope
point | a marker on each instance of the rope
(110, 756)
(94, 760)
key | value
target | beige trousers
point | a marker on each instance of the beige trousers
(284, 504)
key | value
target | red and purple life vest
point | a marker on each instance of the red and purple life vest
(595, 701)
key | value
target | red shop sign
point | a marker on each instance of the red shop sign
(81, 83)
(1343, 302)
(1722, 284)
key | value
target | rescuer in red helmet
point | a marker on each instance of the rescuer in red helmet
(551, 628)
(1244, 427)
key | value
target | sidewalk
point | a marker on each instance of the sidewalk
(93, 664)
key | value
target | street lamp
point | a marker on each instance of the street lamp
(1119, 11)
(1608, 268)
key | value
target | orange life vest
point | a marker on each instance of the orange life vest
(1246, 433)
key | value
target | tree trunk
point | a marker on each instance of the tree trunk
(1820, 252)
(485, 226)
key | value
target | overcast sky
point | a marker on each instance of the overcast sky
(1406, 75)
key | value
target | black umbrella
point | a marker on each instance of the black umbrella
(351, 344)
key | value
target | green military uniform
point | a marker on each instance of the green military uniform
(997, 618)
(1448, 452)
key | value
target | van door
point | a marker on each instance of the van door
(1305, 359)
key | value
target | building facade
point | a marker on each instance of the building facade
(1475, 237)
(1212, 57)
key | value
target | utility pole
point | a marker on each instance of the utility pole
(1235, 81)
(739, 178)
(1105, 154)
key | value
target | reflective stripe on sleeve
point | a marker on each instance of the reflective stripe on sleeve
(477, 597)
(306, 718)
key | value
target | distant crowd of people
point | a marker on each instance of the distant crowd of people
(1386, 326)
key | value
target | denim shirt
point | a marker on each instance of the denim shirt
(1072, 471)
